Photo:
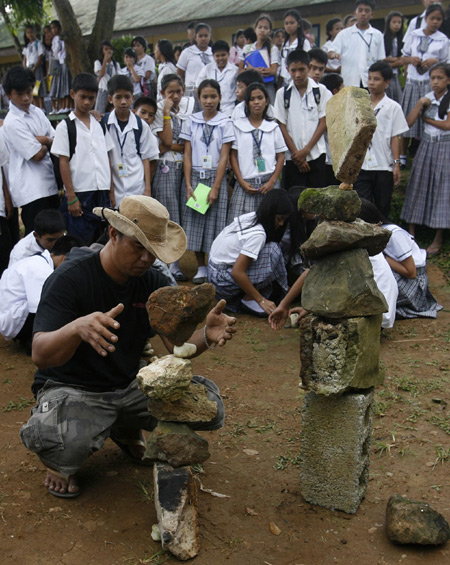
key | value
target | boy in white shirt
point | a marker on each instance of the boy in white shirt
(358, 46)
(82, 145)
(28, 137)
(300, 111)
(224, 73)
(242, 81)
(134, 145)
(380, 171)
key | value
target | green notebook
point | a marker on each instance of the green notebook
(201, 194)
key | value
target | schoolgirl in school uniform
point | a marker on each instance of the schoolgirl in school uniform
(257, 154)
(208, 136)
(236, 48)
(33, 54)
(294, 39)
(134, 72)
(333, 27)
(269, 52)
(165, 56)
(393, 43)
(173, 110)
(61, 82)
(427, 200)
(105, 67)
(194, 58)
(146, 63)
(246, 260)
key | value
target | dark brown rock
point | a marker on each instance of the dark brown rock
(331, 203)
(175, 311)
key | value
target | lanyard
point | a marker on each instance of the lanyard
(207, 140)
(257, 142)
(121, 145)
(368, 44)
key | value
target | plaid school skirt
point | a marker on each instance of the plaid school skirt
(242, 202)
(394, 90)
(427, 200)
(61, 81)
(414, 297)
(202, 229)
(263, 272)
(414, 90)
(167, 187)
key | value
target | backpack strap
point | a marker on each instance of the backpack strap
(137, 135)
(103, 126)
(287, 97)
(72, 133)
(316, 94)
(419, 22)
(104, 120)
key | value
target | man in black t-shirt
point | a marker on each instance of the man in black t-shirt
(90, 329)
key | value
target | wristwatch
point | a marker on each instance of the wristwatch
(397, 161)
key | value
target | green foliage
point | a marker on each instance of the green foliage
(120, 44)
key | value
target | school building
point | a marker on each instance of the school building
(156, 19)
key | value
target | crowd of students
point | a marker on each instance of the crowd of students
(247, 125)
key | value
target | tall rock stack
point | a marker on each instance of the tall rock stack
(340, 339)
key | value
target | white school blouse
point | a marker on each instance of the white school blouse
(147, 63)
(413, 25)
(285, 50)
(402, 245)
(28, 180)
(111, 70)
(239, 112)
(20, 289)
(137, 86)
(275, 56)
(432, 113)
(390, 122)
(193, 129)
(89, 166)
(240, 237)
(302, 117)
(359, 49)
(25, 247)
(191, 63)
(437, 49)
(387, 285)
(164, 69)
(227, 81)
(59, 49)
(272, 143)
(4, 160)
(33, 51)
(185, 109)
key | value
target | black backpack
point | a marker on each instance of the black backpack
(288, 93)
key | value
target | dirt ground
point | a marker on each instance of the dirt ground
(254, 460)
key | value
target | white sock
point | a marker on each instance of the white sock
(174, 267)
(202, 272)
(253, 305)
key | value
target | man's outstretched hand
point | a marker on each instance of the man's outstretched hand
(95, 329)
(219, 327)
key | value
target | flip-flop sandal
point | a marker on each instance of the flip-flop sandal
(436, 251)
(124, 445)
(62, 494)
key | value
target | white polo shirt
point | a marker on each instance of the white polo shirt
(390, 122)
(147, 63)
(272, 143)
(227, 81)
(432, 113)
(20, 289)
(191, 63)
(302, 117)
(193, 129)
(59, 49)
(124, 153)
(241, 237)
(413, 25)
(33, 51)
(332, 63)
(28, 180)
(111, 70)
(387, 285)
(239, 112)
(89, 166)
(25, 247)
(359, 49)
(185, 109)
(437, 49)
(285, 50)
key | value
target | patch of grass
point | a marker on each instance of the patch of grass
(261, 429)
(442, 455)
(284, 461)
(407, 384)
(19, 405)
(146, 492)
(442, 422)
(197, 469)
(237, 430)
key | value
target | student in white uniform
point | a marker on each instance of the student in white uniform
(134, 145)
(333, 27)
(21, 287)
(300, 111)
(133, 71)
(418, 22)
(146, 63)
(33, 55)
(6, 209)
(28, 137)
(105, 67)
(173, 110)
(224, 73)
(242, 81)
(380, 171)
(194, 58)
(358, 46)
(294, 39)
(165, 56)
(257, 154)
(393, 44)
(387, 285)
(208, 136)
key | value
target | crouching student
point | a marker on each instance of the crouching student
(82, 145)
(21, 287)
(246, 264)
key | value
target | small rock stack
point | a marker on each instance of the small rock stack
(339, 349)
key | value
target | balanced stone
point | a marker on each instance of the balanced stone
(331, 203)
(333, 236)
(176, 509)
(192, 406)
(166, 378)
(342, 286)
(351, 124)
(339, 355)
(175, 311)
(409, 521)
(177, 444)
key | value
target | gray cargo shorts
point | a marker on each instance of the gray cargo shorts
(69, 424)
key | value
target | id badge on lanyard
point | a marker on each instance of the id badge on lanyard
(207, 159)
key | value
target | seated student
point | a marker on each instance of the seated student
(243, 80)
(334, 83)
(408, 264)
(134, 72)
(380, 171)
(21, 287)
(300, 111)
(49, 225)
(246, 260)
(134, 145)
(85, 165)
(224, 73)
(28, 137)
(318, 60)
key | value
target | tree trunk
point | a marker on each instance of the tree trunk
(103, 27)
(10, 28)
(77, 57)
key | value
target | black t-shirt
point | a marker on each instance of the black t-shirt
(80, 287)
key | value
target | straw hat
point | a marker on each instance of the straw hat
(147, 220)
